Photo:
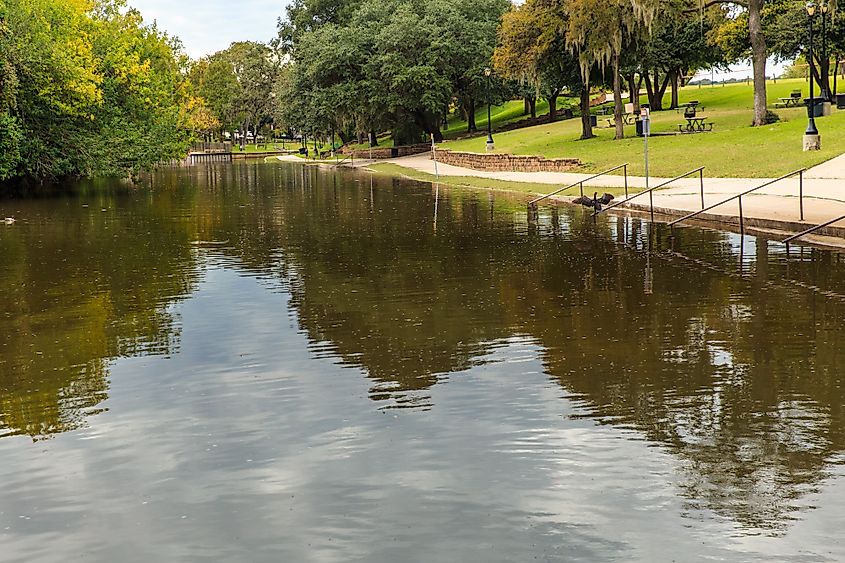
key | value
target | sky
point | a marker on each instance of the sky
(207, 26)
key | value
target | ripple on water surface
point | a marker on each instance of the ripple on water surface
(280, 363)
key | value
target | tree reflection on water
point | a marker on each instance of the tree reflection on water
(718, 348)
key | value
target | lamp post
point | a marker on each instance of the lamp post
(812, 139)
(825, 94)
(490, 145)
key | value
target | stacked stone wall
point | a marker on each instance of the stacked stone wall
(497, 162)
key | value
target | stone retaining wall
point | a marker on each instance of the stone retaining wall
(495, 162)
(380, 153)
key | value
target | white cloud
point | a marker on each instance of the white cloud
(207, 26)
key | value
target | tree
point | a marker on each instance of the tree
(599, 29)
(742, 37)
(787, 35)
(86, 89)
(533, 51)
(387, 63)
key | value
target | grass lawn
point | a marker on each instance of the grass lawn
(479, 183)
(509, 112)
(270, 147)
(733, 149)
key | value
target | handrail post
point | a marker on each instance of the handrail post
(701, 181)
(651, 204)
(801, 193)
(581, 186)
(741, 225)
(625, 169)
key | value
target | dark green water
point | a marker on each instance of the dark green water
(273, 363)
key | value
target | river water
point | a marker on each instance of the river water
(277, 363)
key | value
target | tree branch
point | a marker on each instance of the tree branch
(711, 3)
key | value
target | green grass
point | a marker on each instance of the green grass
(270, 147)
(504, 114)
(733, 149)
(478, 183)
(509, 112)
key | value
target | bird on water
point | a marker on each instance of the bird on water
(596, 202)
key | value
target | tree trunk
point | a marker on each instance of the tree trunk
(675, 78)
(617, 99)
(373, 138)
(553, 105)
(586, 125)
(527, 109)
(659, 92)
(649, 88)
(533, 103)
(821, 72)
(835, 74)
(469, 108)
(758, 60)
(634, 84)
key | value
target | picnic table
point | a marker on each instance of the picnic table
(627, 119)
(694, 105)
(695, 124)
(793, 101)
(788, 102)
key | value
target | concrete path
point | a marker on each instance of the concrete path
(824, 197)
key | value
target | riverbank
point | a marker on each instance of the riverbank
(774, 210)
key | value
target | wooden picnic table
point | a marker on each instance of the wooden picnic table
(627, 119)
(791, 101)
(689, 105)
(695, 124)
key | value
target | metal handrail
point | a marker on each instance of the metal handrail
(344, 159)
(533, 202)
(812, 230)
(649, 191)
(746, 192)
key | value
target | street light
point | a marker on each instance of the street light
(490, 145)
(812, 139)
(825, 94)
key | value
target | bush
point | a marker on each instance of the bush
(771, 117)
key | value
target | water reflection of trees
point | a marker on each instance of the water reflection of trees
(728, 365)
(82, 286)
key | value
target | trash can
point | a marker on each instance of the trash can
(840, 101)
(594, 121)
(394, 152)
(815, 106)
(640, 128)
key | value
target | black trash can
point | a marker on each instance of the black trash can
(394, 152)
(594, 121)
(815, 106)
(840, 101)
(640, 123)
